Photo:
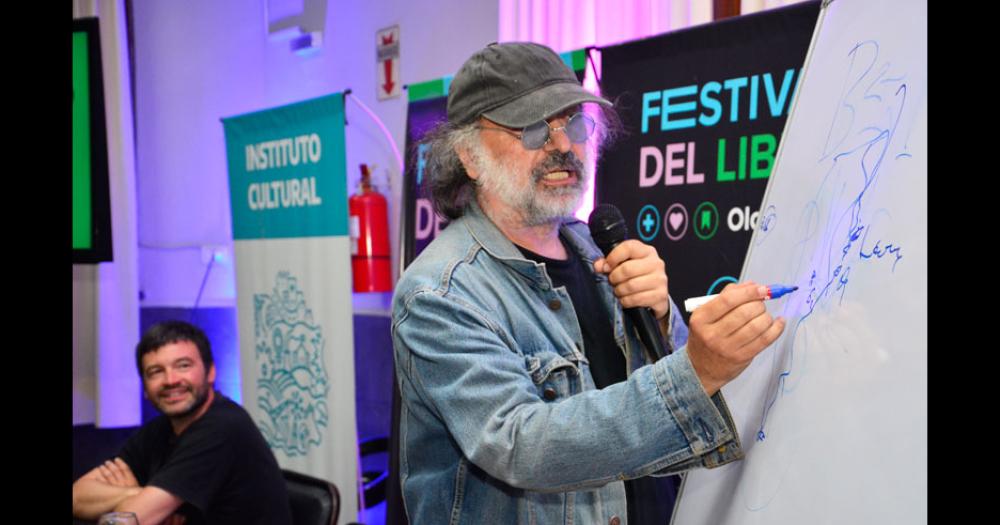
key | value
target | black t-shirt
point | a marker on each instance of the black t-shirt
(607, 362)
(650, 499)
(220, 466)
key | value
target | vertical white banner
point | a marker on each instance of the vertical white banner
(297, 353)
(288, 190)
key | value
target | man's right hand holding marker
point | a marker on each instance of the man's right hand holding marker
(727, 332)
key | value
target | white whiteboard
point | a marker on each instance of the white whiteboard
(841, 399)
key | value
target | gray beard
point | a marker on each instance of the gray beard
(528, 204)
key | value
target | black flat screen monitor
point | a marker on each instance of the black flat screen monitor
(91, 201)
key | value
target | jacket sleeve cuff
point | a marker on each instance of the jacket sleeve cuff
(706, 422)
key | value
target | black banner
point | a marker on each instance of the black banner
(421, 224)
(704, 109)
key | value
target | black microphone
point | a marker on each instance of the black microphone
(607, 227)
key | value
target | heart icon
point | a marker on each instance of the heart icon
(676, 220)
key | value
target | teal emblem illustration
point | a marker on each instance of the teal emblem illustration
(292, 382)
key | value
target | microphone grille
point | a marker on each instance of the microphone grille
(607, 226)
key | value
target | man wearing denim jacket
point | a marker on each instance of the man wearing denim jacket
(501, 420)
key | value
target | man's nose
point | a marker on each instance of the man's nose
(559, 140)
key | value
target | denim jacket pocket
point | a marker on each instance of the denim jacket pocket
(555, 377)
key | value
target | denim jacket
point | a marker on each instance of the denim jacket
(500, 420)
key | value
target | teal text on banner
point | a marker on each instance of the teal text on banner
(287, 170)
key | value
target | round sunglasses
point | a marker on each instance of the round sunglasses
(578, 129)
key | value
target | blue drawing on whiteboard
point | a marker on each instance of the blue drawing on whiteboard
(840, 228)
(292, 382)
(768, 222)
(768, 219)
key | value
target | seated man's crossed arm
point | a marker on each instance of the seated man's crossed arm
(112, 487)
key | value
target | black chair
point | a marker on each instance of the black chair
(374, 480)
(314, 501)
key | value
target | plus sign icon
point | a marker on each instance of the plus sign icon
(647, 223)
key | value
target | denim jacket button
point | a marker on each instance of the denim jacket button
(549, 393)
(555, 304)
(615, 520)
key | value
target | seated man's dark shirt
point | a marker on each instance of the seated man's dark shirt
(220, 466)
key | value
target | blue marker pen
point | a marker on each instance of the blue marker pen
(773, 292)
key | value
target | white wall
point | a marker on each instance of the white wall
(197, 61)
(106, 384)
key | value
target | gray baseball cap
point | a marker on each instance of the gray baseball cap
(514, 84)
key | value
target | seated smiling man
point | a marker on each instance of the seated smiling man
(202, 461)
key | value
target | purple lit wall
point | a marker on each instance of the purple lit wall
(565, 25)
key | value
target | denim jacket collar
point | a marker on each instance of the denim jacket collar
(489, 236)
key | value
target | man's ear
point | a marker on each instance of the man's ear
(466, 158)
(211, 374)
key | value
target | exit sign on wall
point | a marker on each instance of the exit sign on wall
(387, 66)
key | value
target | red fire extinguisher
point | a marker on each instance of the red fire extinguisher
(369, 226)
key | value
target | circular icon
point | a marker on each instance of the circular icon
(647, 223)
(706, 220)
(675, 221)
(719, 282)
